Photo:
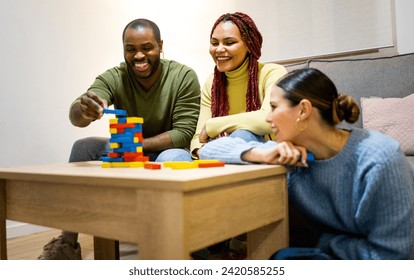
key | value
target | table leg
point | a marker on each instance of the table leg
(3, 235)
(105, 249)
(263, 242)
(163, 237)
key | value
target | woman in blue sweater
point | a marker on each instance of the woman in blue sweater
(358, 192)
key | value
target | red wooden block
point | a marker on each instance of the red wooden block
(114, 155)
(121, 125)
(139, 136)
(152, 166)
(133, 154)
(212, 164)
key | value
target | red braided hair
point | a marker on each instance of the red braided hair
(253, 40)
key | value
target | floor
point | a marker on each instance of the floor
(30, 247)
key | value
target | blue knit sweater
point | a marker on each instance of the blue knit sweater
(363, 196)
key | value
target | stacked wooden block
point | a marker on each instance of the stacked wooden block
(125, 142)
(127, 151)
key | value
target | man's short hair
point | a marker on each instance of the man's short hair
(144, 23)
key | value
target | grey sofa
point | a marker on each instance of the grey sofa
(367, 77)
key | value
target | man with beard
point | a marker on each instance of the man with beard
(165, 93)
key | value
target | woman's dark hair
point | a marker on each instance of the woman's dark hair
(253, 40)
(144, 23)
(312, 84)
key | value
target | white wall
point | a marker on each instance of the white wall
(404, 20)
(53, 49)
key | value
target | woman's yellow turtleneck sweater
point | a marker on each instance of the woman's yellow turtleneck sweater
(238, 118)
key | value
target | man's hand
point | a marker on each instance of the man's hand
(91, 106)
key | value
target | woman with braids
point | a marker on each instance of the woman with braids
(358, 192)
(236, 96)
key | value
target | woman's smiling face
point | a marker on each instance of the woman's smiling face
(227, 47)
(282, 116)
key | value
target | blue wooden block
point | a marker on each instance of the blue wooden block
(121, 135)
(131, 144)
(124, 149)
(135, 129)
(109, 159)
(118, 112)
(123, 140)
(311, 157)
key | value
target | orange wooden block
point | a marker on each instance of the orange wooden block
(121, 125)
(114, 155)
(211, 164)
(206, 160)
(133, 154)
(152, 166)
(141, 159)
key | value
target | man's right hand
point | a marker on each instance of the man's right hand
(91, 106)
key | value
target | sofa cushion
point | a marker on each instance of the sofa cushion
(381, 77)
(393, 117)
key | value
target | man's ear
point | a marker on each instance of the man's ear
(160, 45)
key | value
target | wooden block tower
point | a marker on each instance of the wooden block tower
(125, 142)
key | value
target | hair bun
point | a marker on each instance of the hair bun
(345, 108)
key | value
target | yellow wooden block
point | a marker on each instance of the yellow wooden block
(132, 164)
(139, 150)
(169, 164)
(134, 120)
(183, 165)
(114, 145)
(198, 161)
(113, 121)
(113, 131)
(106, 164)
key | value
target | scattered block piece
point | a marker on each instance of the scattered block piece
(152, 166)
(168, 164)
(134, 164)
(206, 160)
(183, 165)
(211, 164)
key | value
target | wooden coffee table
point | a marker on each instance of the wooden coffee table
(168, 213)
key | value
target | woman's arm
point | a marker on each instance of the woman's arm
(238, 151)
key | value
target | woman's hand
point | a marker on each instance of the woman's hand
(203, 137)
(283, 153)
